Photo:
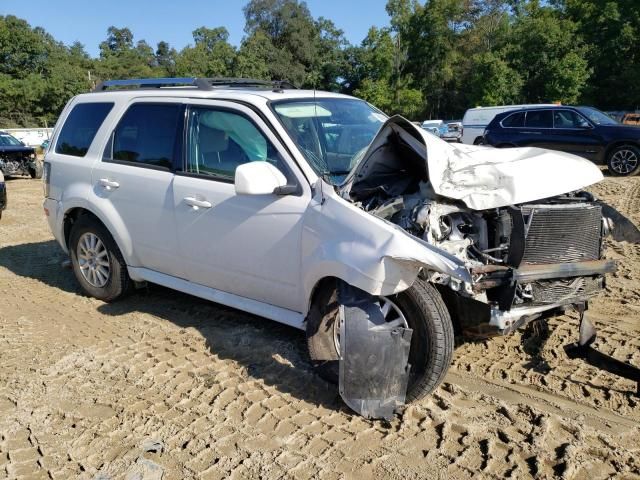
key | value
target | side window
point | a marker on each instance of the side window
(568, 119)
(81, 127)
(147, 135)
(514, 120)
(539, 119)
(220, 140)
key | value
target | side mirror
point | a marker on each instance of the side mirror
(258, 178)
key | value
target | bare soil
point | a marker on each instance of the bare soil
(163, 385)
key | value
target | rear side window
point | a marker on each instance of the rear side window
(514, 120)
(81, 127)
(146, 135)
(539, 119)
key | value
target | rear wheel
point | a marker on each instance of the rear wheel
(96, 260)
(420, 308)
(624, 160)
(479, 141)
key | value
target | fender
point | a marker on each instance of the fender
(75, 196)
(365, 251)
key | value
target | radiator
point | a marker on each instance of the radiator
(562, 233)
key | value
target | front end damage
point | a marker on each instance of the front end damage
(531, 244)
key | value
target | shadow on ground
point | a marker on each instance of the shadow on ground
(265, 350)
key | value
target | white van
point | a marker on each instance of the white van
(476, 120)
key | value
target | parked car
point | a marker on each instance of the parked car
(631, 119)
(453, 131)
(436, 127)
(380, 243)
(583, 131)
(3, 195)
(18, 159)
(476, 119)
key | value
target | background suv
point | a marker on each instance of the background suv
(583, 131)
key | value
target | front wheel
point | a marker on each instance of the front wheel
(624, 161)
(96, 260)
(36, 170)
(420, 308)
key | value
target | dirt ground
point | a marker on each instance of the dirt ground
(163, 385)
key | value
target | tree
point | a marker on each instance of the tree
(211, 56)
(549, 54)
(165, 58)
(611, 29)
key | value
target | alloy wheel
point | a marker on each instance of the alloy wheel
(624, 161)
(93, 260)
(393, 316)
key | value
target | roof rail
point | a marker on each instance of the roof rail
(200, 83)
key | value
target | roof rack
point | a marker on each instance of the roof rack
(200, 83)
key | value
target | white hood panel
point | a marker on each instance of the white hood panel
(486, 177)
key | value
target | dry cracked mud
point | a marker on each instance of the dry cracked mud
(163, 385)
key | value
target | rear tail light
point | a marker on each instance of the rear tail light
(46, 178)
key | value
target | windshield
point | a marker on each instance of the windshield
(330, 132)
(7, 140)
(596, 116)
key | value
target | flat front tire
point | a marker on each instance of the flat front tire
(97, 262)
(432, 341)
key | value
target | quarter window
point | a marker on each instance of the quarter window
(81, 127)
(147, 135)
(514, 120)
(539, 119)
(219, 141)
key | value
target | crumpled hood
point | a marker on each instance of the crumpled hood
(481, 177)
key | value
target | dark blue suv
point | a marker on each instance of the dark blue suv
(584, 131)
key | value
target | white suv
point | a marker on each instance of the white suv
(316, 210)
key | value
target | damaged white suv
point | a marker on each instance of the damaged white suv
(316, 210)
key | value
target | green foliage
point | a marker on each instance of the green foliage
(436, 59)
(211, 56)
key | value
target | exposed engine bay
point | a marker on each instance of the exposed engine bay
(17, 163)
(526, 259)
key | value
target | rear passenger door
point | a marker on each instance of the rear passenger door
(133, 183)
(538, 129)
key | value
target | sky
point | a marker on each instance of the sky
(173, 21)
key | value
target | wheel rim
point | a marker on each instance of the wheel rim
(393, 316)
(93, 260)
(624, 161)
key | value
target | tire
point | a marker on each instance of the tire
(118, 282)
(479, 141)
(36, 170)
(432, 341)
(624, 160)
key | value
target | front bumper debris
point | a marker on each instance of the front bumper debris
(374, 358)
(583, 349)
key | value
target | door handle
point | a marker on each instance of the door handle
(109, 184)
(197, 203)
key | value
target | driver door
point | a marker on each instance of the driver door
(247, 245)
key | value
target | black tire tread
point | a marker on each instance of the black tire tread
(119, 284)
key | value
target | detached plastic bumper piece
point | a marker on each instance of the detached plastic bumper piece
(583, 349)
(374, 358)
